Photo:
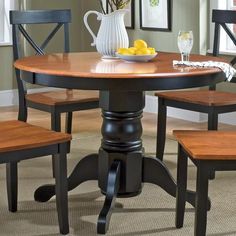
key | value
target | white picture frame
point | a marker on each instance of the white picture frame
(155, 15)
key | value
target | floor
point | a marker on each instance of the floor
(150, 213)
(91, 120)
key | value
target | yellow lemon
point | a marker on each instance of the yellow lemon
(132, 50)
(121, 50)
(185, 36)
(143, 51)
(124, 51)
(139, 43)
(152, 50)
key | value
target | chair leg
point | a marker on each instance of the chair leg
(181, 187)
(68, 122)
(68, 125)
(212, 125)
(161, 129)
(12, 185)
(56, 126)
(62, 189)
(22, 110)
(201, 201)
(212, 120)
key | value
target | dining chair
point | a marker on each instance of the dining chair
(210, 101)
(54, 102)
(21, 141)
(210, 151)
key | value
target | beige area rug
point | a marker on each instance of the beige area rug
(150, 213)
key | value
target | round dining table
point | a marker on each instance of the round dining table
(120, 166)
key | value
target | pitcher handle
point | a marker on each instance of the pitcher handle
(99, 17)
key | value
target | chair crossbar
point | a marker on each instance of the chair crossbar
(30, 41)
(39, 49)
(233, 61)
(229, 32)
(50, 36)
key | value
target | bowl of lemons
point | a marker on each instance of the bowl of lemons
(139, 52)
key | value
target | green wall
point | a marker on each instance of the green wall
(78, 36)
(185, 16)
(6, 69)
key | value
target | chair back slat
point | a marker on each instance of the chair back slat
(222, 18)
(20, 20)
(233, 61)
(229, 32)
(30, 41)
(66, 36)
(40, 16)
(50, 36)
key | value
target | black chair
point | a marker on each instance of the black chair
(20, 141)
(211, 102)
(210, 151)
(54, 102)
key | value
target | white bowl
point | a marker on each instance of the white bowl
(140, 58)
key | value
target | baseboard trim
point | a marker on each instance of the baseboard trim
(152, 106)
(8, 98)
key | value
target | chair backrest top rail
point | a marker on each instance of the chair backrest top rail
(40, 16)
(224, 16)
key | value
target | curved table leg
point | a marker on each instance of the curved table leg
(155, 172)
(86, 169)
(113, 184)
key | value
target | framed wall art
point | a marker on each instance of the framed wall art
(129, 16)
(155, 15)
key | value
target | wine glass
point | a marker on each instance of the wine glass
(185, 44)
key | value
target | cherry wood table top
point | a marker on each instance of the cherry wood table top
(90, 66)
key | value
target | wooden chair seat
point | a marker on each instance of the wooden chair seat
(205, 97)
(209, 151)
(63, 97)
(208, 145)
(20, 141)
(17, 135)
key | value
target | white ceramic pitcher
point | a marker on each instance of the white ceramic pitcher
(112, 33)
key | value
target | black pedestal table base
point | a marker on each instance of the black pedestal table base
(112, 189)
(120, 167)
(86, 169)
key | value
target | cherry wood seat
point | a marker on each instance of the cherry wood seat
(20, 141)
(210, 151)
(208, 145)
(206, 97)
(57, 98)
(18, 135)
(211, 102)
